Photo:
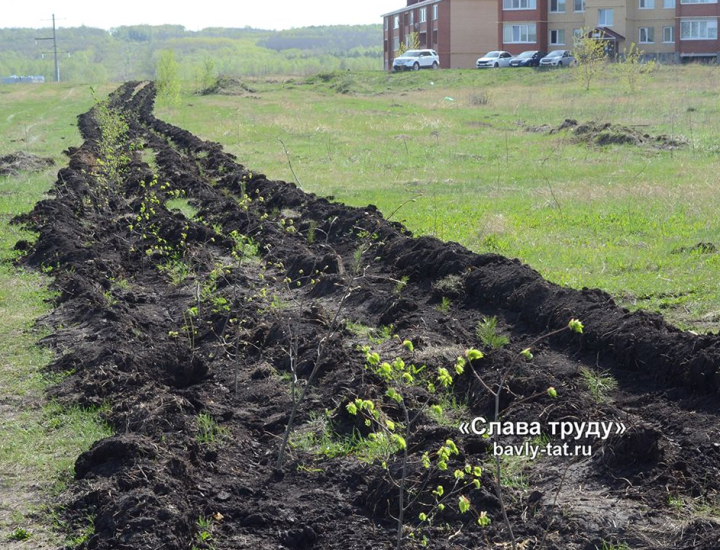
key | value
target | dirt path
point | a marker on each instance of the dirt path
(190, 330)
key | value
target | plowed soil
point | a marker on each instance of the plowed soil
(167, 322)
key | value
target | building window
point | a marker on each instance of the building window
(411, 18)
(647, 4)
(423, 15)
(557, 6)
(435, 12)
(520, 34)
(669, 35)
(668, 4)
(557, 38)
(647, 35)
(520, 4)
(396, 44)
(698, 1)
(698, 29)
(579, 5)
(396, 22)
(605, 18)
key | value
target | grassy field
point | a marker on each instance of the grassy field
(623, 218)
(39, 440)
(474, 151)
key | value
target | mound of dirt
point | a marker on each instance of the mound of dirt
(616, 134)
(700, 248)
(20, 161)
(341, 82)
(228, 85)
(190, 332)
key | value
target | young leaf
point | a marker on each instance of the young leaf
(473, 354)
(399, 440)
(463, 504)
(444, 377)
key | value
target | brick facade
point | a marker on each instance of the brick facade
(668, 30)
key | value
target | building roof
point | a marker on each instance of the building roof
(606, 33)
(408, 8)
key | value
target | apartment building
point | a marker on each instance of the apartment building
(462, 30)
(459, 30)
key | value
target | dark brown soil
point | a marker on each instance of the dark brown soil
(132, 341)
(14, 163)
(616, 134)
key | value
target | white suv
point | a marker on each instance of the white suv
(416, 60)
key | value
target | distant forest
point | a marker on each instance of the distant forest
(125, 53)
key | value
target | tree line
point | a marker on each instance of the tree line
(131, 52)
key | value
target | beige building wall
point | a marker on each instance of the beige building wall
(656, 18)
(628, 18)
(566, 21)
(474, 26)
(620, 15)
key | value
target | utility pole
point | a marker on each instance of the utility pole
(55, 50)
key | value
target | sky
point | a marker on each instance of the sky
(194, 14)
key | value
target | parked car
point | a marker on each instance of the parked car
(530, 58)
(558, 58)
(494, 59)
(417, 59)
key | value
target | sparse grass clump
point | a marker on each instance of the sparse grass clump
(613, 546)
(599, 384)
(183, 205)
(19, 534)
(177, 270)
(444, 305)
(451, 285)
(487, 332)
(209, 431)
(478, 98)
(317, 437)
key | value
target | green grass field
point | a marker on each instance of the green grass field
(459, 143)
(39, 440)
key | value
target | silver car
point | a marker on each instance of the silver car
(494, 60)
(414, 60)
(558, 58)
